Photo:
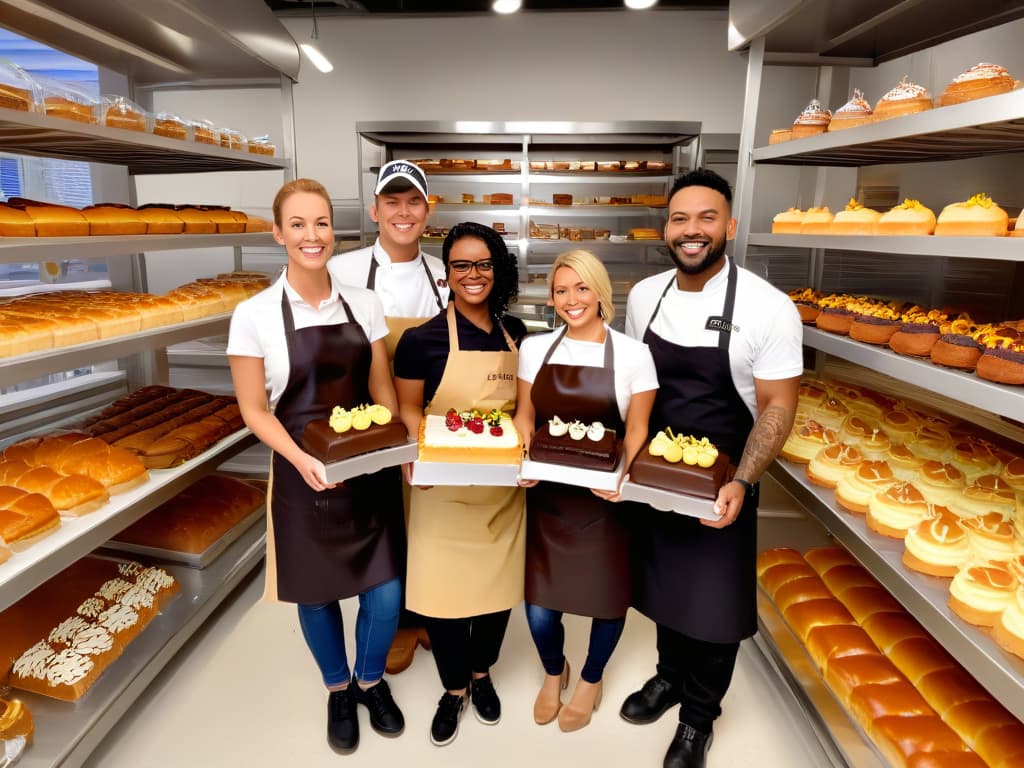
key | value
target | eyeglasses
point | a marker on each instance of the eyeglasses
(464, 265)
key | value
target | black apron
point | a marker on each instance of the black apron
(371, 279)
(340, 542)
(697, 580)
(577, 545)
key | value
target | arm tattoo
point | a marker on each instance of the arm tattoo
(765, 441)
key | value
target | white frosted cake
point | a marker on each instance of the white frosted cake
(479, 439)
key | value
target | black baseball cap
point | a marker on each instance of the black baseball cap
(401, 169)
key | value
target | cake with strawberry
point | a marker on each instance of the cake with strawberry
(352, 432)
(470, 437)
(576, 444)
(682, 464)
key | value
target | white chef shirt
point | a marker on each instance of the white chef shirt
(634, 366)
(257, 325)
(402, 286)
(767, 336)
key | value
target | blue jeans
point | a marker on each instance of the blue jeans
(549, 637)
(376, 623)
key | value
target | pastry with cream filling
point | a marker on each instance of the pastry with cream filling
(855, 491)
(908, 218)
(980, 592)
(812, 120)
(979, 81)
(991, 537)
(940, 483)
(986, 494)
(897, 509)
(938, 546)
(805, 441)
(832, 463)
(816, 221)
(1008, 630)
(855, 112)
(978, 216)
(855, 219)
(788, 222)
(905, 98)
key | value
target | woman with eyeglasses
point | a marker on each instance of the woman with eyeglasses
(466, 544)
(577, 542)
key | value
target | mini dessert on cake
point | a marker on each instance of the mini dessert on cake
(940, 483)
(681, 464)
(897, 509)
(979, 81)
(817, 221)
(806, 301)
(918, 333)
(832, 463)
(855, 491)
(806, 440)
(978, 216)
(938, 546)
(980, 592)
(470, 437)
(987, 493)
(905, 464)
(905, 98)
(991, 536)
(1008, 630)
(347, 433)
(780, 135)
(813, 120)
(574, 444)
(855, 112)
(855, 219)
(908, 218)
(788, 222)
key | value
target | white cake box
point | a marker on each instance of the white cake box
(584, 478)
(667, 501)
(368, 463)
(455, 473)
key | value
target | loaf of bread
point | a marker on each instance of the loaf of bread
(197, 517)
(119, 112)
(56, 220)
(113, 220)
(161, 221)
(13, 97)
(184, 443)
(197, 221)
(79, 454)
(24, 515)
(15, 222)
(69, 109)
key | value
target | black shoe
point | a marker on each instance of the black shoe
(446, 720)
(385, 716)
(486, 704)
(689, 748)
(342, 721)
(650, 702)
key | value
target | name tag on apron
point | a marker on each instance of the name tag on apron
(720, 324)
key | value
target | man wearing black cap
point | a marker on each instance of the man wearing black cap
(412, 287)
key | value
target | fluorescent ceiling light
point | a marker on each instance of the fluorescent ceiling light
(506, 6)
(319, 60)
(639, 5)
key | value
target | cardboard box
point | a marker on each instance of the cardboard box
(451, 473)
(584, 478)
(369, 463)
(666, 501)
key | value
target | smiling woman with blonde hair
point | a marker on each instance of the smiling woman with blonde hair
(592, 273)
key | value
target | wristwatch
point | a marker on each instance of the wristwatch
(748, 487)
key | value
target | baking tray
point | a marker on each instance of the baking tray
(200, 560)
(452, 473)
(368, 463)
(667, 501)
(584, 478)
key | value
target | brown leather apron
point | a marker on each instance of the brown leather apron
(340, 542)
(467, 544)
(399, 325)
(699, 581)
(577, 545)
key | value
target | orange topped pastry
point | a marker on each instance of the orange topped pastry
(987, 493)
(907, 218)
(855, 219)
(938, 546)
(897, 509)
(977, 82)
(904, 99)
(978, 216)
(833, 462)
(900, 424)
(787, 222)
(991, 537)
(1009, 627)
(940, 483)
(817, 221)
(855, 491)
(853, 113)
(814, 119)
(981, 591)
(906, 465)
(806, 440)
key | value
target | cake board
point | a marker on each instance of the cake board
(667, 501)
(460, 474)
(374, 461)
(584, 478)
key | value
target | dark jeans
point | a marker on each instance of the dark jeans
(375, 627)
(549, 637)
(464, 646)
(701, 669)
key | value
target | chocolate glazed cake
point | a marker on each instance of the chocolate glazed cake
(327, 445)
(693, 480)
(600, 454)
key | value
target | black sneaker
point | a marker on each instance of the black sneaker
(650, 702)
(445, 726)
(385, 716)
(486, 705)
(342, 721)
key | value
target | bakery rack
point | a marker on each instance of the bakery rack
(999, 248)
(15, 250)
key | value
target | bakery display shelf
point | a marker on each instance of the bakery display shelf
(1001, 399)
(594, 211)
(999, 248)
(561, 244)
(28, 133)
(598, 177)
(473, 208)
(842, 740)
(78, 536)
(926, 597)
(475, 177)
(66, 733)
(34, 364)
(17, 250)
(989, 126)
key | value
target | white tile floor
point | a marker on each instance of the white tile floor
(246, 692)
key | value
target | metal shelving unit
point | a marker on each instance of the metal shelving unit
(1000, 248)
(926, 597)
(16, 250)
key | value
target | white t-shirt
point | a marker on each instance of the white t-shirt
(767, 336)
(257, 325)
(634, 366)
(402, 286)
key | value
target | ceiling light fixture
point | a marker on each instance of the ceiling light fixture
(640, 5)
(506, 6)
(312, 52)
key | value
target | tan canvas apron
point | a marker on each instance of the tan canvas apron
(467, 545)
(399, 325)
